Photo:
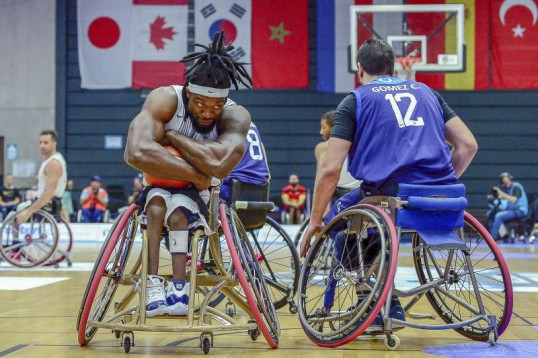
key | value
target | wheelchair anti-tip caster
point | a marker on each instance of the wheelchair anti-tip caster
(253, 333)
(127, 341)
(230, 309)
(206, 342)
(392, 342)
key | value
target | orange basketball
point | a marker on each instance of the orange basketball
(167, 183)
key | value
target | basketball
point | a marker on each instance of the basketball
(166, 183)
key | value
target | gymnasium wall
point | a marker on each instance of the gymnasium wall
(27, 78)
(505, 124)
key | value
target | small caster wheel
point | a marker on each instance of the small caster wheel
(69, 264)
(127, 344)
(392, 342)
(254, 334)
(206, 345)
(206, 342)
(127, 341)
(293, 308)
(117, 334)
(492, 338)
(56, 265)
(230, 309)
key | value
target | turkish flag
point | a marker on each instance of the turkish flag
(514, 29)
(131, 43)
(272, 36)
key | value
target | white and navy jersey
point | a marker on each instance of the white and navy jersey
(183, 125)
(42, 178)
(400, 135)
(252, 168)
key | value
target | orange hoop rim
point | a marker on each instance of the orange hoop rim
(407, 62)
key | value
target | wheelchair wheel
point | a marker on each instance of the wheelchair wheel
(347, 275)
(250, 276)
(299, 236)
(30, 244)
(107, 274)
(453, 300)
(65, 243)
(278, 259)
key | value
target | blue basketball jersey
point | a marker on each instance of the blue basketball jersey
(253, 168)
(400, 135)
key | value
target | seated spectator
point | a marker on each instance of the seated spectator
(94, 201)
(294, 198)
(9, 196)
(507, 203)
(138, 186)
(67, 202)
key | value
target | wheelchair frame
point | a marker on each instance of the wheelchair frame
(253, 299)
(40, 244)
(436, 282)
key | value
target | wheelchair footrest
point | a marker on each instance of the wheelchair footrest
(442, 239)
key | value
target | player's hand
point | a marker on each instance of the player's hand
(22, 216)
(312, 230)
(202, 183)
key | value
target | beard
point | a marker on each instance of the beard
(202, 129)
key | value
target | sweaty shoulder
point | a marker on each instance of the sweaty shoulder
(161, 103)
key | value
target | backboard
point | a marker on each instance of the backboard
(433, 33)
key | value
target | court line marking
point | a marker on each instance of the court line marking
(12, 349)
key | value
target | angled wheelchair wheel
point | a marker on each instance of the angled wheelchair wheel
(347, 275)
(250, 276)
(278, 259)
(65, 243)
(456, 300)
(107, 275)
(29, 244)
(300, 233)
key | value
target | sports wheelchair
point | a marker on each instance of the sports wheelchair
(115, 296)
(347, 279)
(44, 239)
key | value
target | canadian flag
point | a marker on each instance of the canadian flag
(131, 43)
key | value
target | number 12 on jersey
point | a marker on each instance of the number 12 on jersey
(405, 120)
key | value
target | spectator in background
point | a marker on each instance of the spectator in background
(138, 186)
(67, 202)
(9, 196)
(294, 198)
(508, 202)
(93, 201)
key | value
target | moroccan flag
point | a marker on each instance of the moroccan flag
(514, 42)
(131, 43)
(272, 36)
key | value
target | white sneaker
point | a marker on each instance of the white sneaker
(156, 302)
(177, 298)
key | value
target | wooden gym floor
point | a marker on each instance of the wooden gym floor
(39, 308)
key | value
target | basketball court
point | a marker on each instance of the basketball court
(39, 306)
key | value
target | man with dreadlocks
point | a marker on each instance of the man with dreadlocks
(209, 131)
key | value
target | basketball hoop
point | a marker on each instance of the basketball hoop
(404, 67)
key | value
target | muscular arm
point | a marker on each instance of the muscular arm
(146, 133)
(217, 158)
(463, 142)
(319, 152)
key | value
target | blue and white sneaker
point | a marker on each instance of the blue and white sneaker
(156, 302)
(177, 297)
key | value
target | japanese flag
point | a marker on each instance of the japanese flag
(131, 43)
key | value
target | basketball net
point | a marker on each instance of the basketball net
(403, 67)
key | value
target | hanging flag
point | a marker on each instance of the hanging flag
(131, 43)
(333, 45)
(514, 42)
(272, 36)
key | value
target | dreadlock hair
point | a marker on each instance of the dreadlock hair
(214, 67)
